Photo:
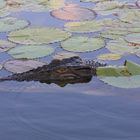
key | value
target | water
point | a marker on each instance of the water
(90, 111)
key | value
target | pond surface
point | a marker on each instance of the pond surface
(82, 111)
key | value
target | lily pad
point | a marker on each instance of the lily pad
(129, 69)
(109, 56)
(6, 45)
(108, 7)
(10, 24)
(20, 66)
(114, 33)
(90, 26)
(85, 26)
(38, 35)
(127, 76)
(94, 0)
(121, 47)
(74, 13)
(138, 3)
(41, 5)
(2, 3)
(123, 82)
(129, 15)
(132, 67)
(30, 52)
(110, 71)
(4, 12)
(64, 55)
(82, 44)
(133, 38)
(51, 4)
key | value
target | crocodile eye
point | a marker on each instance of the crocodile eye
(61, 70)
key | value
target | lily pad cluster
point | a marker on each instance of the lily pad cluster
(83, 32)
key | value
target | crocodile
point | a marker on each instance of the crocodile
(61, 72)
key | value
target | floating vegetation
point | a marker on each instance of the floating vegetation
(2, 4)
(6, 45)
(30, 52)
(127, 76)
(109, 56)
(4, 12)
(84, 29)
(20, 66)
(129, 15)
(10, 24)
(74, 13)
(64, 55)
(33, 5)
(83, 44)
(43, 35)
(122, 47)
(123, 82)
(133, 38)
(89, 26)
(108, 7)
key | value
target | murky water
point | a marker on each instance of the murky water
(90, 111)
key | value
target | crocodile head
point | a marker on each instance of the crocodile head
(67, 71)
(61, 72)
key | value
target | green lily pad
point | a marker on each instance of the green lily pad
(110, 36)
(114, 33)
(109, 56)
(112, 71)
(82, 44)
(10, 24)
(129, 69)
(108, 12)
(2, 3)
(132, 67)
(122, 47)
(20, 66)
(6, 45)
(127, 76)
(133, 38)
(123, 82)
(4, 12)
(90, 26)
(108, 7)
(74, 13)
(51, 4)
(42, 5)
(64, 55)
(85, 26)
(129, 15)
(38, 35)
(94, 0)
(30, 52)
